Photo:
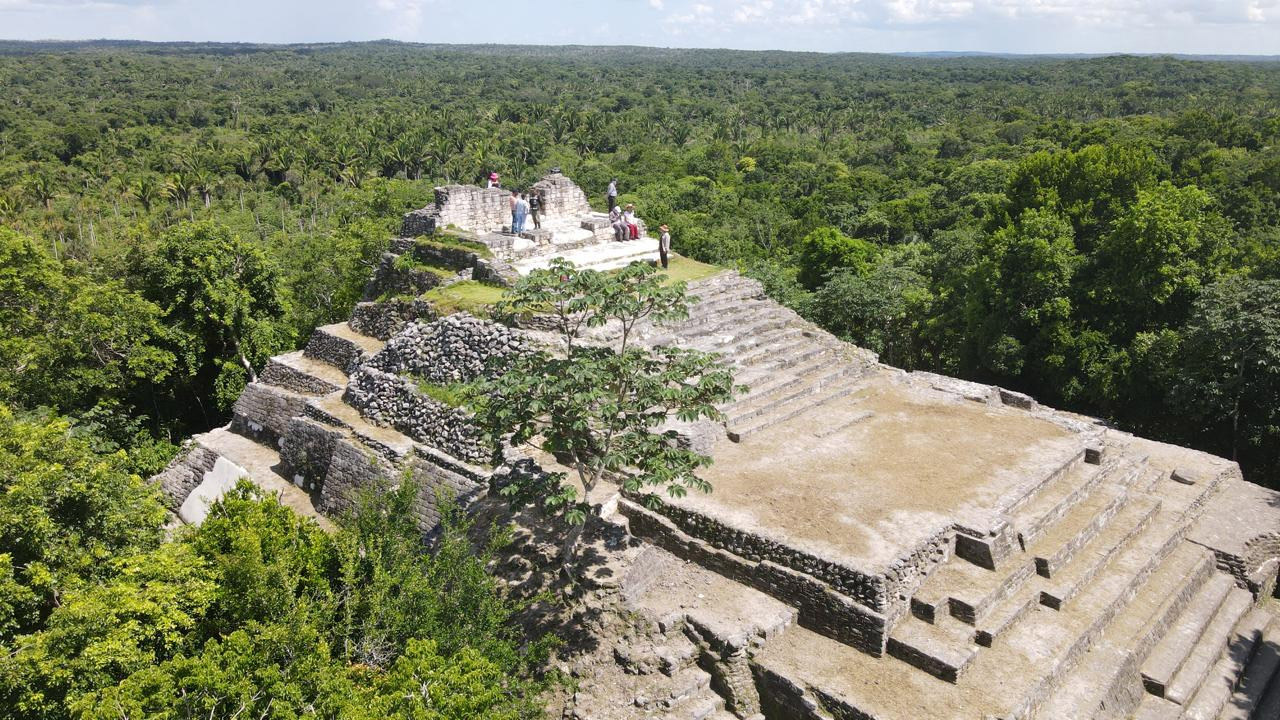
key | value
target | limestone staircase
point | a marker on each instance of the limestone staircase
(1103, 610)
(789, 365)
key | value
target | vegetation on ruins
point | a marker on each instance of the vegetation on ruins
(598, 402)
(256, 613)
(1057, 226)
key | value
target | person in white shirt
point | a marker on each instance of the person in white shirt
(611, 196)
(493, 181)
(633, 225)
(664, 245)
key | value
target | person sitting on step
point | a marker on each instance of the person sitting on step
(633, 225)
(619, 227)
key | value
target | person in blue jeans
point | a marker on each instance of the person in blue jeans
(515, 211)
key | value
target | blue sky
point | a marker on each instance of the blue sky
(1032, 26)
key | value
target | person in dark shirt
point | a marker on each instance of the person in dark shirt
(535, 208)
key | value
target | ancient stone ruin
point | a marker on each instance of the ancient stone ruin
(879, 543)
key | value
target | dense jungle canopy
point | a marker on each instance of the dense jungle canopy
(1103, 233)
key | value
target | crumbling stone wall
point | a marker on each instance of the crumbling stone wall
(454, 348)
(392, 401)
(562, 196)
(184, 473)
(384, 319)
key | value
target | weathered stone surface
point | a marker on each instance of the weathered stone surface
(454, 348)
(393, 401)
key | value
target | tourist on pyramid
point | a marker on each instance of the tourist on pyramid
(611, 196)
(615, 221)
(515, 211)
(523, 207)
(493, 181)
(633, 225)
(664, 245)
(535, 207)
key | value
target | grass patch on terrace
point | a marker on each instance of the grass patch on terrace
(684, 269)
(444, 240)
(467, 296)
(407, 262)
(453, 394)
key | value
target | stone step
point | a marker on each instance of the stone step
(739, 304)
(1094, 557)
(686, 683)
(1106, 675)
(1258, 676)
(1054, 500)
(299, 373)
(676, 655)
(260, 465)
(1055, 642)
(763, 341)
(766, 359)
(699, 707)
(331, 410)
(724, 333)
(943, 649)
(1005, 681)
(342, 347)
(1169, 654)
(725, 298)
(971, 592)
(760, 383)
(1213, 641)
(1067, 538)
(1057, 545)
(1225, 674)
(838, 389)
(1154, 708)
(1269, 706)
(808, 384)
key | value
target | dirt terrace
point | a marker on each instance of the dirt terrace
(866, 479)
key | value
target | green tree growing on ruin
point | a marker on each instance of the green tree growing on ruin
(599, 406)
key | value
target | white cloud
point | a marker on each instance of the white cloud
(655, 4)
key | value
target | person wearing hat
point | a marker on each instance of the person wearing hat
(664, 244)
(493, 181)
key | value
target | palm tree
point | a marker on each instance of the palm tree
(43, 188)
(146, 189)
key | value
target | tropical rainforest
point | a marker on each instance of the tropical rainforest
(1102, 233)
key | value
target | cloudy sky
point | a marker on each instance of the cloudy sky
(1033, 26)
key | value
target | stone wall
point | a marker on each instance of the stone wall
(392, 401)
(263, 412)
(184, 473)
(821, 609)
(455, 348)
(866, 589)
(563, 197)
(385, 318)
(391, 280)
(489, 210)
(472, 208)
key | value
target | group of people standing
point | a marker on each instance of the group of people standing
(524, 205)
(623, 220)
